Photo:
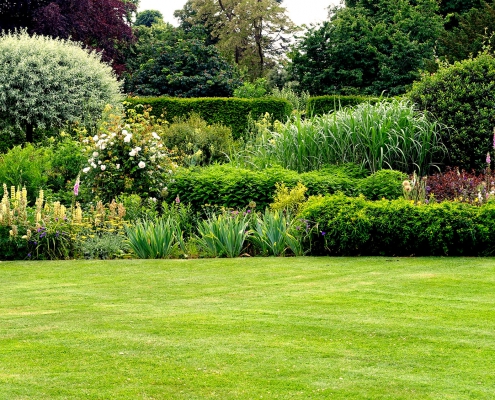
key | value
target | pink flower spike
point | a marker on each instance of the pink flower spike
(488, 160)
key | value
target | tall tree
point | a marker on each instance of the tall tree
(251, 33)
(148, 18)
(168, 61)
(475, 29)
(376, 46)
(98, 24)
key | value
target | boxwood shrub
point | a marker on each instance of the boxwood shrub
(355, 226)
(233, 187)
(231, 112)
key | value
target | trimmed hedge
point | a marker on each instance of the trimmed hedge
(355, 226)
(228, 186)
(231, 112)
(324, 104)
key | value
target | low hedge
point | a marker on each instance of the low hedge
(231, 112)
(324, 104)
(229, 186)
(355, 226)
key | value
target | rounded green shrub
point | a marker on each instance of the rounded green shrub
(47, 82)
(385, 184)
(462, 96)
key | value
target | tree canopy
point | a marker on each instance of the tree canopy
(474, 30)
(371, 47)
(47, 82)
(148, 18)
(168, 61)
(98, 24)
(250, 33)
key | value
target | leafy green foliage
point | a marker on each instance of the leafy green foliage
(367, 49)
(275, 232)
(167, 61)
(473, 31)
(153, 238)
(46, 82)
(12, 248)
(27, 166)
(228, 186)
(298, 101)
(355, 226)
(148, 18)
(224, 234)
(382, 184)
(195, 142)
(251, 34)
(462, 96)
(252, 90)
(231, 112)
(66, 163)
(104, 246)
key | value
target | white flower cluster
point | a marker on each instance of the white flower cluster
(105, 150)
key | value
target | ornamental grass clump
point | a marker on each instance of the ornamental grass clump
(386, 135)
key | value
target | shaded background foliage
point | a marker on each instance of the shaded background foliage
(168, 61)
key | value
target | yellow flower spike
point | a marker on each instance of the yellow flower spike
(12, 192)
(38, 217)
(63, 211)
(24, 194)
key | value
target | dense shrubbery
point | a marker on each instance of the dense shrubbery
(462, 96)
(196, 142)
(229, 186)
(355, 226)
(231, 112)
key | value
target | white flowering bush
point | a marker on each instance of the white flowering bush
(127, 155)
(47, 82)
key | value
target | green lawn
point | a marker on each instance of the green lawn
(271, 328)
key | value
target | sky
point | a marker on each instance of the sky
(300, 11)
